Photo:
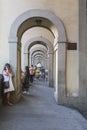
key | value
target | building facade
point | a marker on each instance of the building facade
(52, 33)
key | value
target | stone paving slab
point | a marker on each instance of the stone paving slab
(39, 111)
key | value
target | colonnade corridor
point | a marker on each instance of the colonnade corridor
(39, 111)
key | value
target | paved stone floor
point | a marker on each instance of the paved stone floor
(39, 111)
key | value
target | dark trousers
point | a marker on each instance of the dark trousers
(31, 78)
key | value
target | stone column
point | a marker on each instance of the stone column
(30, 60)
(56, 71)
(83, 49)
(50, 73)
(61, 71)
(56, 75)
(13, 60)
(25, 60)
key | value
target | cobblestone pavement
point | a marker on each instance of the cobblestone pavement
(39, 111)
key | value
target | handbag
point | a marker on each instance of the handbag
(6, 84)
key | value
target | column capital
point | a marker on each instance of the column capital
(12, 40)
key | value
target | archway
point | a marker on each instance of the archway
(46, 43)
(42, 49)
(60, 47)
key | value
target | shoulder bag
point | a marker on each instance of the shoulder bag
(6, 84)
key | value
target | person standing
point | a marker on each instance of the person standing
(25, 81)
(8, 84)
(31, 70)
(38, 73)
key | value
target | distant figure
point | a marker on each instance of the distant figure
(8, 84)
(31, 70)
(22, 79)
(43, 72)
(25, 80)
(38, 73)
(46, 74)
(35, 67)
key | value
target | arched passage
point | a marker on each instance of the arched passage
(46, 43)
(42, 49)
(59, 48)
(37, 56)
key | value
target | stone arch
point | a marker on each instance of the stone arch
(15, 49)
(41, 50)
(50, 52)
(39, 38)
(38, 53)
(37, 13)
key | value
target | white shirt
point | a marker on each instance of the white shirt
(6, 77)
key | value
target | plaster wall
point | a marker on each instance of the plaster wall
(72, 73)
(83, 49)
(11, 9)
(66, 10)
